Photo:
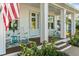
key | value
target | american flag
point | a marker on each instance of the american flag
(10, 11)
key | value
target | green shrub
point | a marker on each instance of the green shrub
(25, 51)
(46, 49)
(75, 40)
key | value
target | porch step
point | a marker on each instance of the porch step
(63, 48)
(62, 45)
(59, 43)
(62, 40)
(67, 47)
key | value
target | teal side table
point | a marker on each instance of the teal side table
(15, 39)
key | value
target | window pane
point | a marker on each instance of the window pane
(33, 23)
(52, 26)
(33, 14)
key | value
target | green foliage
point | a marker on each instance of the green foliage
(54, 38)
(46, 49)
(77, 27)
(25, 51)
(75, 40)
(77, 22)
(28, 49)
(49, 50)
(33, 47)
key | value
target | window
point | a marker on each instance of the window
(50, 22)
(34, 21)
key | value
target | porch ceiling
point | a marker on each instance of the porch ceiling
(37, 5)
(55, 9)
(52, 9)
(68, 7)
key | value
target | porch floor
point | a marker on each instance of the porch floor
(72, 51)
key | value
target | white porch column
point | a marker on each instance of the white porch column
(44, 21)
(55, 22)
(63, 24)
(2, 36)
(73, 24)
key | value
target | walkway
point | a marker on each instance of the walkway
(73, 51)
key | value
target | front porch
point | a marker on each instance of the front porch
(42, 22)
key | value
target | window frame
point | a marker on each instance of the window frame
(50, 22)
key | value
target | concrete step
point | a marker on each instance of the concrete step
(65, 48)
(63, 44)
(60, 45)
(62, 40)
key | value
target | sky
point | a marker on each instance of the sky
(76, 5)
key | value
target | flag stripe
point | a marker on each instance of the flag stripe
(13, 10)
(9, 16)
(10, 11)
(5, 8)
(16, 9)
(6, 22)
